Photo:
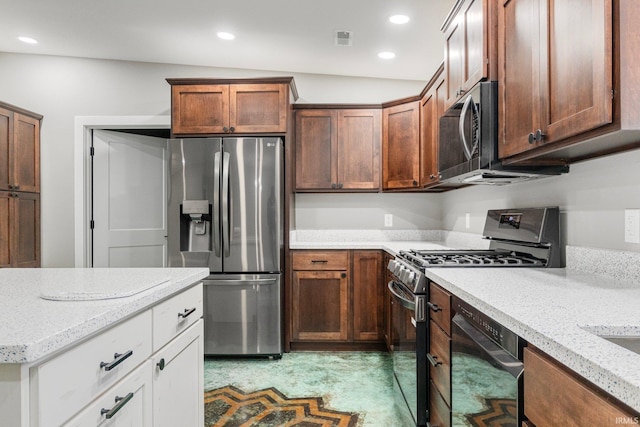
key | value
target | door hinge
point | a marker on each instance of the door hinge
(92, 224)
(613, 94)
(92, 151)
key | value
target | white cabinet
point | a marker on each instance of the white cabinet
(65, 384)
(147, 370)
(178, 380)
(128, 403)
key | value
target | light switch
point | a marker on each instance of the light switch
(388, 220)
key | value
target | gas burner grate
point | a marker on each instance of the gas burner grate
(470, 258)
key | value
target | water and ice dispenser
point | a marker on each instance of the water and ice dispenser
(195, 226)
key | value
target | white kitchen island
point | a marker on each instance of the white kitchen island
(83, 346)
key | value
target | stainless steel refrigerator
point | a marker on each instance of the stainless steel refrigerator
(225, 212)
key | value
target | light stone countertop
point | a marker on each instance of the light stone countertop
(561, 311)
(34, 327)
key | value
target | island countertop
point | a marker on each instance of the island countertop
(45, 310)
(562, 312)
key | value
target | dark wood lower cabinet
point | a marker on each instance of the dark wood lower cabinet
(337, 300)
(556, 396)
(19, 229)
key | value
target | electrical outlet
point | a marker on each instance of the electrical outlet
(467, 220)
(632, 225)
(388, 220)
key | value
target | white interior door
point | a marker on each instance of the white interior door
(129, 200)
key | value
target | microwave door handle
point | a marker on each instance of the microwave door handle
(463, 116)
(216, 203)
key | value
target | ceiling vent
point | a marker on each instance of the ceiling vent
(344, 38)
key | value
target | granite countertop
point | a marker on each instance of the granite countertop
(45, 310)
(561, 312)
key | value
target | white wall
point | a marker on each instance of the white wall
(410, 211)
(592, 198)
(63, 88)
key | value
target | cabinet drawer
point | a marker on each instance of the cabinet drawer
(175, 315)
(440, 351)
(320, 260)
(570, 402)
(440, 307)
(134, 409)
(439, 411)
(64, 384)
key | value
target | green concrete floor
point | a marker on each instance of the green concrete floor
(347, 381)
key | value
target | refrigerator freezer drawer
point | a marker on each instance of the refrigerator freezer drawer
(242, 315)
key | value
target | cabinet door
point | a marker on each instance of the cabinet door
(19, 229)
(178, 380)
(6, 221)
(555, 82)
(401, 146)
(258, 108)
(320, 306)
(6, 132)
(359, 142)
(26, 153)
(576, 71)
(518, 77)
(431, 108)
(368, 296)
(466, 52)
(316, 149)
(26, 226)
(199, 109)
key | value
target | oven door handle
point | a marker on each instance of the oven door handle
(500, 356)
(403, 301)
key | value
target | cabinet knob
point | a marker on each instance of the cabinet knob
(232, 129)
(539, 135)
(160, 364)
(415, 183)
(340, 185)
(432, 176)
(532, 138)
(225, 129)
(343, 275)
(333, 186)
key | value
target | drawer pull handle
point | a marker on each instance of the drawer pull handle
(433, 361)
(120, 402)
(117, 359)
(319, 261)
(160, 364)
(434, 307)
(186, 313)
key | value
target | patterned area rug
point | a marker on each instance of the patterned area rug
(501, 413)
(231, 407)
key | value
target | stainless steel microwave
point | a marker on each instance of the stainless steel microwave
(468, 144)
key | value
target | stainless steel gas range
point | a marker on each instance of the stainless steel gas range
(519, 238)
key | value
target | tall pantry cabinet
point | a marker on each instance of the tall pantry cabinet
(19, 187)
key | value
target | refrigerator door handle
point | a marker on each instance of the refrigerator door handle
(226, 226)
(216, 203)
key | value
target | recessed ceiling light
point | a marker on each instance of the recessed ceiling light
(386, 55)
(27, 40)
(399, 19)
(226, 36)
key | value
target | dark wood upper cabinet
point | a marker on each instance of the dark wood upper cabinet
(19, 150)
(555, 81)
(431, 108)
(338, 149)
(401, 146)
(568, 95)
(218, 106)
(470, 34)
